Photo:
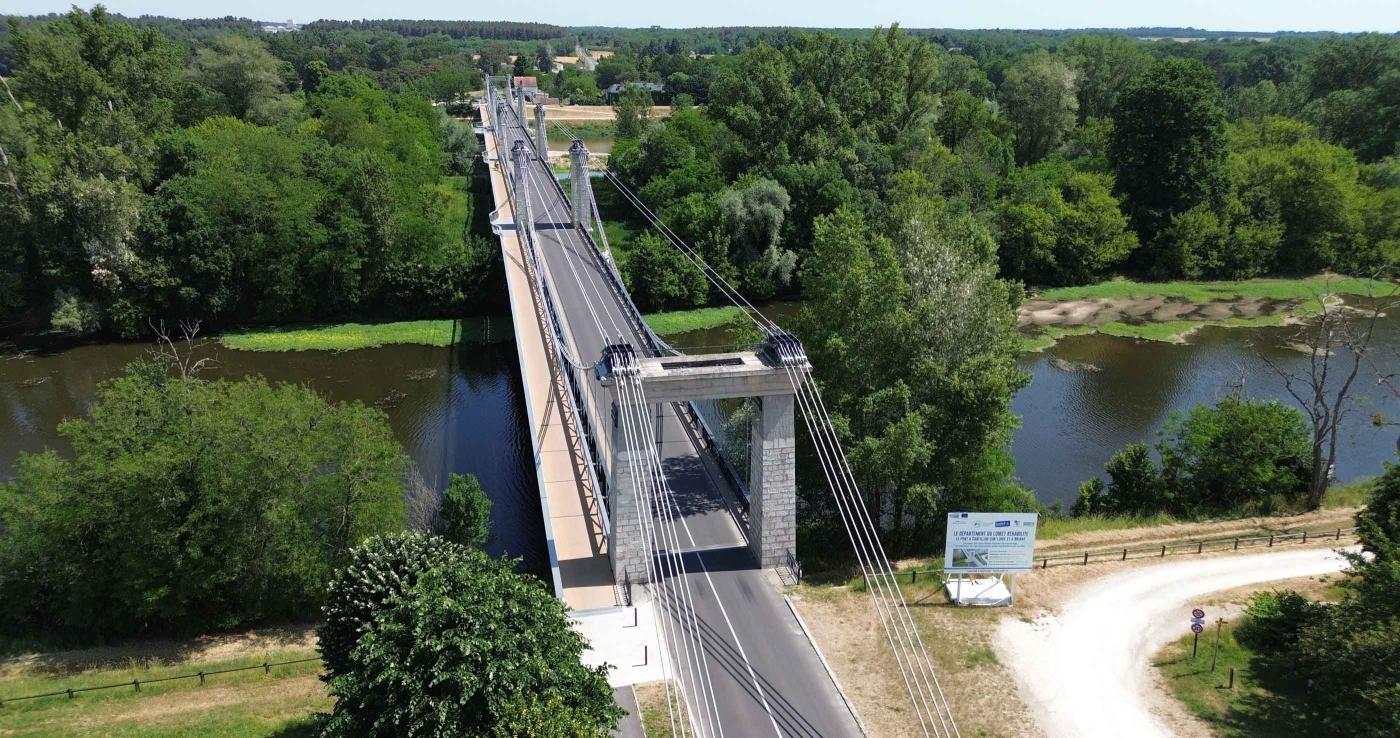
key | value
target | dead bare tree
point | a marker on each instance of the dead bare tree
(179, 353)
(1338, 345)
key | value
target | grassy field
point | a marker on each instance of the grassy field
(250, 704)
(348, 336)
(656, 720)
(1273, 289)
(1176, 330)
(682, 321)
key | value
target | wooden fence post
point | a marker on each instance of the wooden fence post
(1086, 558)
(1339, 534)
(1125, 555)
(1200, 546)
(1232, 678)
(1164, 550)
(1305, 536)
(1271, 541)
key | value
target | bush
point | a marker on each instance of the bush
(465, 648)
(378, 570)
(190, 506)
(465, 514)
(1275, 619)
(73, 315)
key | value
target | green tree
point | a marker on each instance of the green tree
(1039, 99)
(240, 69)
(633, 111)
(915, 348)
(1168, 146)
(1239, 456)
(1057, 226)
(465, 514)
(660, 277)
(521, 66)
(753, 213)
(544, 58)
(467, 648)
(1104, 64)
(191, 506)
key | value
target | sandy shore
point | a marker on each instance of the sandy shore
(1068, 313)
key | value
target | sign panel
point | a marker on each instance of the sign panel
(1197, 628)
(1198, 613)
(993, 542)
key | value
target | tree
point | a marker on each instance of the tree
(521, 66)
(491, 58)
(376, 572)
(240, 70)
(633, 112)
(661, 278)
(1168, 145)
(544, 58)
(459, 645)
(1238, 456)
(915, 347)
(1338, 343)
(753, 215)
(465, 514)
(1039, 99)
(1057, 226)
(1103, 65)
(244, 498)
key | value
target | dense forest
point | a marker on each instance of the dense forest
(239, 178)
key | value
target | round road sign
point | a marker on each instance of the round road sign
(1197, 627)
(1198, 613)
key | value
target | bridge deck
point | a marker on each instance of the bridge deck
(578, 555)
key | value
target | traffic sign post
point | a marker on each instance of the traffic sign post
(1198, 625)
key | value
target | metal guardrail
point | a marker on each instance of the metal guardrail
(135, 684)
(1186, 547)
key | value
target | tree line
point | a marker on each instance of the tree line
(220, 182)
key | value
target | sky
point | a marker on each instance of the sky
(1233, 15)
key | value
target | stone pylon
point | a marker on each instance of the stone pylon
(524, 224)
(580, 189)
(541, 140)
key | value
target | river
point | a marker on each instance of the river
(460, 409)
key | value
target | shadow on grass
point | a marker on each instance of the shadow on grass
(307, 727)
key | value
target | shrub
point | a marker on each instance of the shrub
(73, 315)
(465, 514)
(1275, 619)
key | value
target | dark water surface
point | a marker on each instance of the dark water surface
(461, 409)
(1091, 395)
(454, 410)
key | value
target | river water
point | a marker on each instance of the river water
(461, 410)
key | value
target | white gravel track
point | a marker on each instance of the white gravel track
(1084, 672)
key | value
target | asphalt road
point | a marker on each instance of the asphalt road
(766, 676)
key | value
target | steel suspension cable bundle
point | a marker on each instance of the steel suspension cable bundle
(911, 655)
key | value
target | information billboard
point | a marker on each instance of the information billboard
(992, 542)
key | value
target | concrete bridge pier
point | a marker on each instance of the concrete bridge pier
(524, 224)
(773, 482)
(520, 107)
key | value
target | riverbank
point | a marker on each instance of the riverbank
(976, 677)
(1171, 311)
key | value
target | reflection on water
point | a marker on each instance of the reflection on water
(461, 410)
(1073, 418)
(454, 410)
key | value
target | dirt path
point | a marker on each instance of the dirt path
(1084, 671)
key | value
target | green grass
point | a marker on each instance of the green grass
(1174, 331)
(348, 336)
(1204, 692)
(1047, 336)
(245, 704)
(1052, 527)
(1274, 289)
(1355, 494)
(683, 321)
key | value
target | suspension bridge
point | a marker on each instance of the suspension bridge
(645, 510)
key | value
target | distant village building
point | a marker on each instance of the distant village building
(280, 27)
(613, 90)
(528, 86)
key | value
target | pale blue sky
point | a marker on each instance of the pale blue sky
(1238, 15)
